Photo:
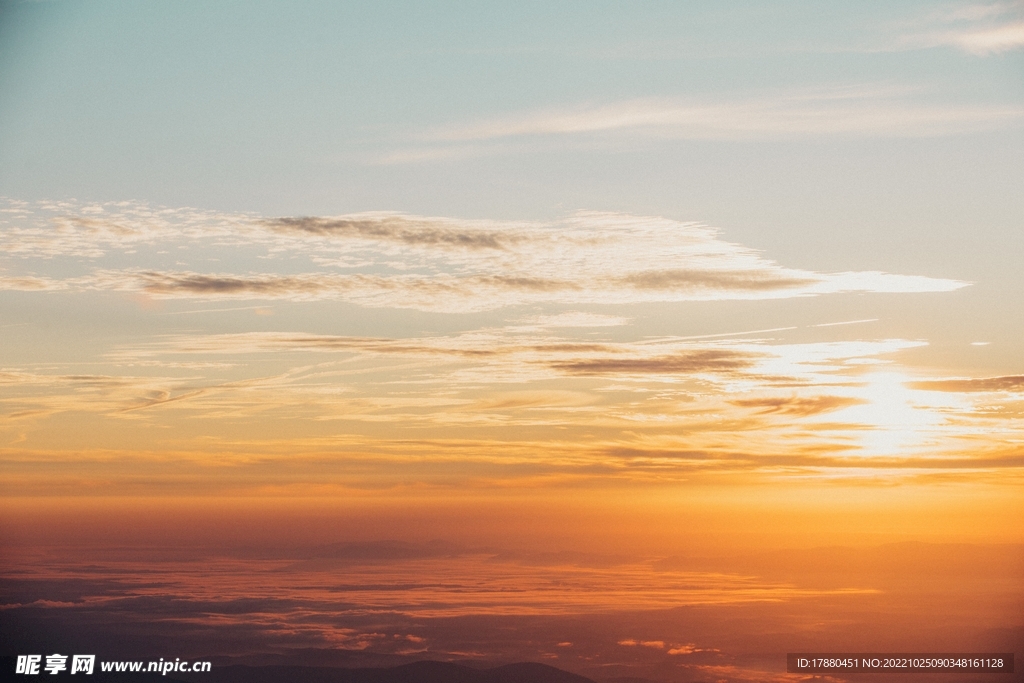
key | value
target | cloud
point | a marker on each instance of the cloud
(29, 283)
(444, 292)
(980, 30)
(392, 228)
(261, 286)
(522, 354)
(574, 319)
(316, 614)
(36, 395)
(633, 642)
(708, 360)
(49, 229)
(722, 280)
(875, 281)
(847, 322)
(862, 110)
(553, 392)
(388, 260)
(795, 405)
(382, 389)
(689, 649)
(440, 293)
(533, 353)
(1007, 383)
(382, 551)
(977, 12)
(991, 41)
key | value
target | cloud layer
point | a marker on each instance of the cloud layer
(552, 391)
(383, 260)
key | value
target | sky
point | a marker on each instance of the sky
(603, 304)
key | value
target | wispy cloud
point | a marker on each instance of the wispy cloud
(562, 391)
(30, 283)
(445, 292)
(861, 110)
(392, 228)
(396, 260)
(699, 361)
(795, 405)
(1009, 383)
(33, 395)
(991, 40)
(982, 29)
(574, 319)
(677, 416)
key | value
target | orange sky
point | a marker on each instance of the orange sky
(462, 430)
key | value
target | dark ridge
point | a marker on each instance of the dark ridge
(531, 672)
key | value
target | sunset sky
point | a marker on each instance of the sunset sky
(602, 304)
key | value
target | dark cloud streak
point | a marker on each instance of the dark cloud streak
(1011, 383)
(746, 280)
(707, 360)
(392, 229)
(795, 405)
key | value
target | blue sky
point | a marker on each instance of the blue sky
(337, 107)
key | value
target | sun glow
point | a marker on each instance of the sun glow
(895, 420)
